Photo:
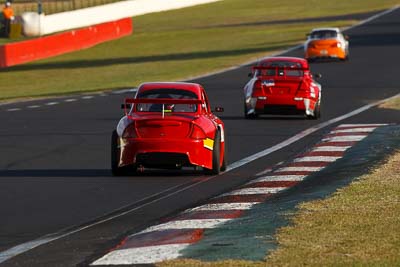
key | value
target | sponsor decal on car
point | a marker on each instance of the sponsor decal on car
(268, 83)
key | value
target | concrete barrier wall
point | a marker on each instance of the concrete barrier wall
(99, 14)
(53, 45)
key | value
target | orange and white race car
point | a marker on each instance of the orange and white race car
(326, 43)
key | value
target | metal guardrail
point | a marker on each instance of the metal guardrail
(54, 6)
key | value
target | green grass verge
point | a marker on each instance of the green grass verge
(179, 44)
(357, 226)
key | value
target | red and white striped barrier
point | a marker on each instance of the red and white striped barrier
(166, 241)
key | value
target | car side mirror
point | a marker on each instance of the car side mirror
(317, 75)
(219, 109)
(346, 37)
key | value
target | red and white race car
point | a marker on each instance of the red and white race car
(168, 125)
(282, 85)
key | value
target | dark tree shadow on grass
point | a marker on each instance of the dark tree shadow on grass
(353, 16)
(142, 59)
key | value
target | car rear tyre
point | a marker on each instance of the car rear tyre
(317, 113)
(246, 116)
(249, 116)
(216, 168)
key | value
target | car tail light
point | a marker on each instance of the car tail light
(130, 131)
(303, 91)
(197, 133)
(336, 45)
(311, 45)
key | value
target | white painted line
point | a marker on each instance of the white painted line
(255, 191)
(224, 206)
(279, 178)
(290, 49)
(24, 247)
(34, 106)
(142, 255)
(347, 138)
(52, 103)
(103, 95)
(316, 158)
(339, 144)
(70, 100)
(330, 148)
(13, 109)
(87, 97)
(19, 249)
(353, 130)
(299, 169)
(185, 224)
(373, 17)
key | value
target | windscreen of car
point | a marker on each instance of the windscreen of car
(170, 94)
(325, 34)
(281, 68)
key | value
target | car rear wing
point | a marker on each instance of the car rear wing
(278, 68)
(163, 101)
(280, 71)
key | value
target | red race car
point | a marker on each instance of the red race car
(282, 85)
(168, 125)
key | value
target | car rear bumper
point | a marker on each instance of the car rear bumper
(275, 105)
(316, 53)
(157, 152)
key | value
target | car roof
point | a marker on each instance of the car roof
(192, 87)
(302, 61)
(325, 29)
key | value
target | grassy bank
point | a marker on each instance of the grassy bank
(183, 43)
(356, 226)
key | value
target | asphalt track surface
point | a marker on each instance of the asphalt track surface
(54, 159)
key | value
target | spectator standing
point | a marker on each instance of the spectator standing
(8, 14)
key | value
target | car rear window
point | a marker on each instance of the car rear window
(326, 34)
(169, 94)
(281, 68)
